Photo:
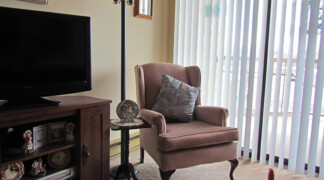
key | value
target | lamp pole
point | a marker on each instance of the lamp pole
(124, 132)
(123, 49)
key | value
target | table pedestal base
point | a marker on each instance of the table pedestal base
(123, 171)
(126, 169)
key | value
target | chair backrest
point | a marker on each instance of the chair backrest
(149, 77)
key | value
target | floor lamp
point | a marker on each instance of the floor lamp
(124, 133)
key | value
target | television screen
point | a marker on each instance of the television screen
(43, 53)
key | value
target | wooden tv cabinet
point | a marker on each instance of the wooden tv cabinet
(90, 149)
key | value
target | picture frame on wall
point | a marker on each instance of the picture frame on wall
(56, 132)
(37, 1)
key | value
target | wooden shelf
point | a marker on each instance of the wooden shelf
(48, 149)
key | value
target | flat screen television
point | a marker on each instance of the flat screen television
(42, 54)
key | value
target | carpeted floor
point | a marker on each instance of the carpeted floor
(217, 171)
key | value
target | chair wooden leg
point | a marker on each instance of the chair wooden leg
(165, 175)
(142, 155)
(234, 164)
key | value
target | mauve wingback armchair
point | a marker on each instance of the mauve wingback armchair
(205, 139)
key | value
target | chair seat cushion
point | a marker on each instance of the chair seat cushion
(195, 134)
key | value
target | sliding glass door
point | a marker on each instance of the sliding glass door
(264, 61)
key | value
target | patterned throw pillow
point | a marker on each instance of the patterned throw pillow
(176, 99)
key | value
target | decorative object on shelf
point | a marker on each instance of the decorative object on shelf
(37, 168)
(12, 172)
(40, 136)
(69, 129)
(143, 9)
(127, 109)
(28, 145)
(59, 159)
(56, 132)
(37, 1)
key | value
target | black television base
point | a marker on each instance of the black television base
(27, 103)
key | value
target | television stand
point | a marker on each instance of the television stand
(89, 152)
(28, 103)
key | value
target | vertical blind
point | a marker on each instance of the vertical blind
(264, 61)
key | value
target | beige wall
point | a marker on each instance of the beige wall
(146, 41)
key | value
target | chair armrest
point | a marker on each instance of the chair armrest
(211, 114)
(154, 118)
